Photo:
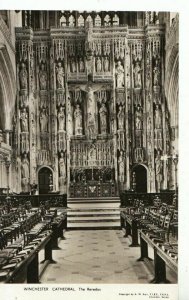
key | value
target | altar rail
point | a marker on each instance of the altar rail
(127, 198)
(54, 200)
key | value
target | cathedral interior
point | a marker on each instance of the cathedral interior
(88, 146)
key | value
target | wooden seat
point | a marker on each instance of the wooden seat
(174, 224)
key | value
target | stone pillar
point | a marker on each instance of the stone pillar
(127, 146)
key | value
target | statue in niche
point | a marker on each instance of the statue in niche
(25, 173)
(156, 72)
(78, 120)
(73, 66)
(43, 78)
(98, 65)
(61, 118)
(24, 120)
(23, 76)
(157, 117)
(138, 118)
(89, 65)
(106, 64)
(148, 79)
(112, 124)
(91, 110)
(120, 75)
(92, 156)
(120, 117)
(158, 170)
(103, 118)
(60, 76)
(121, 163)
(91, 124)
(18, 173)
(43, 120)
(149, 123)
(81, 65)
(91, 100)
(137, 76)
(62, 166)
(69, 116)
(158, 141)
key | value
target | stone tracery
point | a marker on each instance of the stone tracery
(95, 105)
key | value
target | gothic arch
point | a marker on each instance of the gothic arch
(7, 89)
(172, 85)
(44, 166)
(40, 170)
(147, 174)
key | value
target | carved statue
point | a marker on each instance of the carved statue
(44, 120)
(43, 78)
(137, 76)
(120, 117)
(78, 120)
(23, 76)
(158, 170)
(148, 79)
(120, 75)
(157, 117)
(92, 156)
(112, 124)
(103, 118)
(81, 65)
(91, 124)
(73, 65)
(69, 116)
(24, 120)
(60, 76)
(91, 110)
(158, 141)
(138, 118)
(121, 163)
(61, 118)
(62, 166)
(156, 72)
(91, 100)
(25, 167)
(106, 64)
(98, 65)
(25, 173)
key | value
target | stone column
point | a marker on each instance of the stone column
(127, 146)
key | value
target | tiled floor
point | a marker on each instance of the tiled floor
(96, 256)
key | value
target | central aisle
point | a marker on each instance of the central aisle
(96, 256)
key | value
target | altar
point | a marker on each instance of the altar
(93, 189)
(92, 168)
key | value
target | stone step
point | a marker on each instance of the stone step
(93, 205)
(88, 218)
(94, 225)
(90, 215)
(93, 199)
(93, 213)
(92, 221)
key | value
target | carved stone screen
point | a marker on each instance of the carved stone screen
(91, 105)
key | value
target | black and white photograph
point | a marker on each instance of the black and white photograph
(89, 152)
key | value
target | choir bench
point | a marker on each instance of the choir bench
(39, 228)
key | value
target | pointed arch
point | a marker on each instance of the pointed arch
(7, 89)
